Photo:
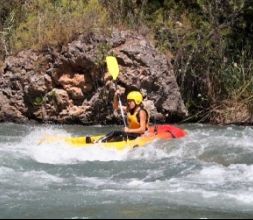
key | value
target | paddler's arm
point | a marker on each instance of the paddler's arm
(116, 101)
(143, 124)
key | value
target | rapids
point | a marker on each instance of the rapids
(208, 174)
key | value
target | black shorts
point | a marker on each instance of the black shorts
(116, 136)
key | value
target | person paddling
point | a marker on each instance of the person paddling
(137, 115)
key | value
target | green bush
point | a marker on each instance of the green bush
(57, 22)
(208, 40)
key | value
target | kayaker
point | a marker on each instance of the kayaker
(137, 115)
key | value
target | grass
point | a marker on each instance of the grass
(50, 24)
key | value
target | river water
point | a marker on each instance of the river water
(208, 174)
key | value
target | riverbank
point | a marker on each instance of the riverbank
(192, 61)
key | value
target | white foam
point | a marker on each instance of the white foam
(59, 152)
(33, 178)
(63, 154)
(243, 197)
(152, 151)
(213, 174)
(191, 146)
(40, 178)
(135, 183)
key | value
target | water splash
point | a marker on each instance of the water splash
(209, 172)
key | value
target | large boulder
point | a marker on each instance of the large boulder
(71, 84)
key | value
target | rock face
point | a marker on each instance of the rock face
(71, 84)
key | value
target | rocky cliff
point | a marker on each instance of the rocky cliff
(70, 84)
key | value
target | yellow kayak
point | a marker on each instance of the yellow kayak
(119, 140)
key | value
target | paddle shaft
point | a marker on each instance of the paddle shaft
(122, 112)
(121, 107)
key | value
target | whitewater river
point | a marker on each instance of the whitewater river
(208, 174)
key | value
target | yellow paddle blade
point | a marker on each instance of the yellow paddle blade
(112, 66)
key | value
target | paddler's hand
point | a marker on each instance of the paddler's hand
(117, 93)
(126, 129)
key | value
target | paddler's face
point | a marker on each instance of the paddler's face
(131, 104)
